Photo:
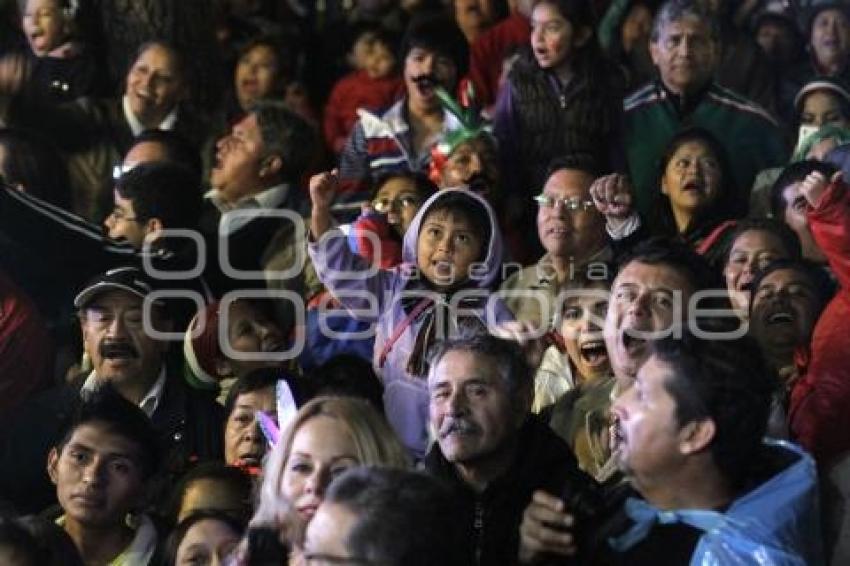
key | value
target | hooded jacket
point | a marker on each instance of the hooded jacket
(818, 412)
(391, 298)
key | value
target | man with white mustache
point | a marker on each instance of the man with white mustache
(489, 446)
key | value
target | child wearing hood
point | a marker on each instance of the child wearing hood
(451, 259)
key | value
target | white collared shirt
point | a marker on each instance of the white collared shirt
(136, 125)
(149, 402)
(268, 199)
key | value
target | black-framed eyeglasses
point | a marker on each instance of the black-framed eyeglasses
(384, 205)
(572, 204)
(119, 170)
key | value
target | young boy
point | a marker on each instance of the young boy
(451, 258)
(101, 469)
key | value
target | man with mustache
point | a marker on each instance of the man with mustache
(435, 53)
(685, 48)
(124, 352)
(489, 446)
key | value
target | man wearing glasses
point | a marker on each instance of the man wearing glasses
(149, 199)
(572, 233)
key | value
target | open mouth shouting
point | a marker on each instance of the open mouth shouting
(426, 85)
(780, 316)
(443, 269)
(632, 342)
(616, 434)
(694, 186)
(593, 353)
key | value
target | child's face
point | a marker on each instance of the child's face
(379, 61)
(361, 50)
(44, 25)
(399, 200)
(256, 75)
(448, 245)
(581, 326)
(553, 38)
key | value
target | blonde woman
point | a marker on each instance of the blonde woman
(327, 436)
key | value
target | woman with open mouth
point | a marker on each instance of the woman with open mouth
(581, 415)
(752, 245)
(561, 97)
(696, 188)
(245, 444)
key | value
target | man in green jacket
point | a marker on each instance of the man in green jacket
(685, 49)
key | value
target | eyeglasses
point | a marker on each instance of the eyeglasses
(120, 169)
(118, 214)
(385, 204)
(572, 203)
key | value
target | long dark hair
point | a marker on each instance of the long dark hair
(723, 207)
(580, 15)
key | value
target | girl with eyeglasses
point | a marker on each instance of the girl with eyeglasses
(395, 200)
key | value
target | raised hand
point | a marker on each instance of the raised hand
(815, 184)
(323, 189)
(613, 196)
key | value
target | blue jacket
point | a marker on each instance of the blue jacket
(775, 524)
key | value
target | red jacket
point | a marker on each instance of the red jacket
(26, 351)
(356, 90)
(390, 248)
(489, 51)
(820, 401)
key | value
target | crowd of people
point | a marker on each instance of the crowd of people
(271, 290)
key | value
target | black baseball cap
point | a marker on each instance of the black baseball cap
(130, 279)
